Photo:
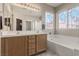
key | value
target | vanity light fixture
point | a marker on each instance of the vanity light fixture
(29, 6)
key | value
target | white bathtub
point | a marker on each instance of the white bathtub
(63, 45)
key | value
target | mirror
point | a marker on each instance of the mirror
(16, 18)
(7, 17)
(31, 20)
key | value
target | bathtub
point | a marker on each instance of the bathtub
(63, 45)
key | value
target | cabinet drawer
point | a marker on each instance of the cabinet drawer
(32, 41)
(32, 51)
(32, 37)
(41, 43)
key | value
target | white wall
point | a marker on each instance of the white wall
(47, 8)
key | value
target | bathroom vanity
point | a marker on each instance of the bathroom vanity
(21, 31)
(23, 45)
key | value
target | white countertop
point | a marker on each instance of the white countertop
(19, 33)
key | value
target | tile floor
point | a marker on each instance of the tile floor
(47, 53)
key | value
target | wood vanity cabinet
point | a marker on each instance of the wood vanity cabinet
(23, 45)
(41, 43)
(14, 46)
(31, 45)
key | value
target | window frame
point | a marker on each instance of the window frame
(64, 20)
(74, 20)
(52, 20)
(67, 10)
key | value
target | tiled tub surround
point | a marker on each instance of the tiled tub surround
(63, 45)
(29, 42)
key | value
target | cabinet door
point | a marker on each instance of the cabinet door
(31, 48)
(41, 43)
(3, 46)
(14, 46)
(26, 46)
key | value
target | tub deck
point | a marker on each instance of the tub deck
(67, 43)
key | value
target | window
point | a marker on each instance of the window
(69, 19)
(63, 20)
(73, 18)
(49, 20)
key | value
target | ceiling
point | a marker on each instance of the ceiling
(54, 4)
